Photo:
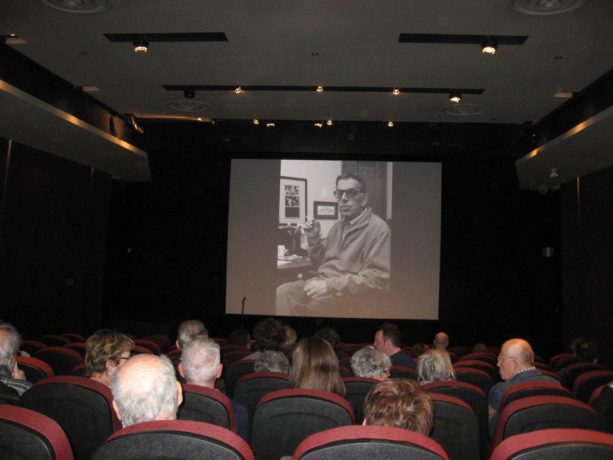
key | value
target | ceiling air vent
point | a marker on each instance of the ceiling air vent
(546, 7)
(78, 6)
(189, 105)
(463, 110)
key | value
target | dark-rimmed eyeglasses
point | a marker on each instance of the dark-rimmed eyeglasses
(350, 193)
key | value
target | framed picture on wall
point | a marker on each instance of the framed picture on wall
(292, 200)
(325, 210)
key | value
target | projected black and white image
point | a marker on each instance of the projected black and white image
(336, 239)
(335, 265)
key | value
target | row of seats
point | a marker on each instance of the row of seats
(30, 435)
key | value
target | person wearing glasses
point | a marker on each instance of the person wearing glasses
(105, 352)
(351, 262)
(516, 365)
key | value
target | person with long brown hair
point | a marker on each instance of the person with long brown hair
(315, 366)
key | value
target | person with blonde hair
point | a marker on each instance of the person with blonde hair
(315, 366)
(434, 365)
(105, 351)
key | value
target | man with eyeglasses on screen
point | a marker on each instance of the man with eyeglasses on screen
(352, 262)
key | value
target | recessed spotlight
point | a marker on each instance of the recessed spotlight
(396, 91)
(563, 94)
(318, 124)
(489, 47)
(390, 124)
(455, 98)
(320, 89)
(189, 93)
(238, 90)
(199, 118)
(270, 124)
(256, 121)
(553, 173)
(141, 46)
(329, 122)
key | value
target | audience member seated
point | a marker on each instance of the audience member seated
(240, 337)
(434, 365)
(387, 340)
(332, 337)
(269, 335)
(290, 338)
(371, 363)
(401, 403)
(417, 350)
(480, 347)
(188, 330)
(272, 361)
(144, 389)
(315, 366)
(586, 351)
(201, 365)
(105, 351)
(516, 365)
(10, 374)
(441, 341)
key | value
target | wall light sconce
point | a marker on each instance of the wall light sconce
(489, 47)
(238, 90)
(455, 98)
(270, 124)
(319, 89)
(396, 91)
(390, 124)
(318, 124)
(256, 121)
(141, 46)
(329, 122)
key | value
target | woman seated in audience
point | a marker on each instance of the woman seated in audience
(401, 403)
(315, 366)
(434, 365)
(371, 363)
(105, 351)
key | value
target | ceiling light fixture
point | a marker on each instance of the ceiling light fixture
(189, 93)
(141, 46)
(390, 124)
(396, 91)
(238, 90)
(318, 124)
(329, 122)
(256, 121)
(489, 47)
(455, 98)
(320, 89)
(270, 124)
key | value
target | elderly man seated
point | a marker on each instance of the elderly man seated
(144, 389)
(201, 365)
(10, 374)
(371, 363)
(516, 365)
(402, 403)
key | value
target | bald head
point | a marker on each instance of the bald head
(145, 388)
(515, 356)
(10, 341)
(441, 341)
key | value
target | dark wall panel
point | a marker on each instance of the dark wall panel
(54, 239)
(587, 229)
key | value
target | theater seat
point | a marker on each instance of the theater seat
(474, 376)
(61, 359)
(81, 406)
(372, 442)
(207, 405)
(535, 388)
(601, 401)
(480, 356)
(251, 387)
(490, 369)
(456, 427)
(402, 372)
(356, 389)
(26, 434)
(544, 412)
(35, 369)
(284, 418)
(587, 382)
(556, 444)
(174, 439)
(233, 372)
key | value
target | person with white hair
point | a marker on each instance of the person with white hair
(272, 361)
(10, 374)
(434, 365)
(188, 330)
(441, 341)
(371, 363)
(145, 388)
(516, 365)
(201, 365)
